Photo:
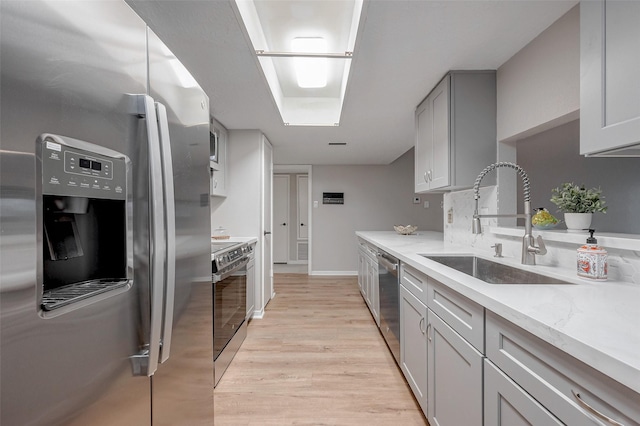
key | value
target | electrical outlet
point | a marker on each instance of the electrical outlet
(416, 200)
(426, 204)
(450, 216)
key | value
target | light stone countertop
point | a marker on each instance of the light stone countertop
(595, 322)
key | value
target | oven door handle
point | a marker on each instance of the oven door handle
(240, 265)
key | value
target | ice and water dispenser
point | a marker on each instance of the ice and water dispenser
(84, 222)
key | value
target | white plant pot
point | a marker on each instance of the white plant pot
(577, 222)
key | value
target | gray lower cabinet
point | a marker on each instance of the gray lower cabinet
(368, 279)
(455, 377)
(373, 298)
(507, 404)
(413, 344)
(523, 380)
(361, 270)
(251, 287)
(572, 391)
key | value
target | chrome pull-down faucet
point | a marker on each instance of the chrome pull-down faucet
(529, 248)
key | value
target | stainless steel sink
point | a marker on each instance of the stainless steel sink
(493, 272)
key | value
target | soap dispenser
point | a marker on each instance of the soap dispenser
(592, 260)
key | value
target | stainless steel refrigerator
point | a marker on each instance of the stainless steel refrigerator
(105, 290)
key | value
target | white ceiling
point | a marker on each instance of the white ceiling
(403, 50)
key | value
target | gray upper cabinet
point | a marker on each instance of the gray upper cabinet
(456, 131)
(610, 78)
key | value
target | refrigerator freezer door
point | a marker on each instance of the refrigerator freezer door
(66, 69)
(183, 384)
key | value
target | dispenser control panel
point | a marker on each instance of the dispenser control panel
(72, 171)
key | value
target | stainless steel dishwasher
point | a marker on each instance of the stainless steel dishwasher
(389, 286)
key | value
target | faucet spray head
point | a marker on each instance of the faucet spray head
(476, 228)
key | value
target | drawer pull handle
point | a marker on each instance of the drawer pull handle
(594, 411)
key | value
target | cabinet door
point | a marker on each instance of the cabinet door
(423, 146)
(507, 404)
(432, 139)
(440, 156)
(609, 76)
(455, 368)
(374, 292)
(413, 345)
(367, 280)
(361, 271)
(218, 184)
(251, 285)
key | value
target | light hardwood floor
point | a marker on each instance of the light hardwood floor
(316, 358)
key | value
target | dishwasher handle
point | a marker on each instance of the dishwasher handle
(389, 263)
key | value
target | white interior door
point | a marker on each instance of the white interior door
(281, 222)
(303, 207)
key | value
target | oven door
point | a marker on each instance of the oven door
(229, 307)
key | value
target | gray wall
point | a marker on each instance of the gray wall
(375, 199)
(552, 157)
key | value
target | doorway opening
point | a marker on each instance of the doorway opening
(292, 219)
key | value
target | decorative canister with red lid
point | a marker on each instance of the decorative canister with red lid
(592, 260)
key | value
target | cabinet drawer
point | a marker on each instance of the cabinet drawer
(554, 378)
(414, 281)
(462, 314)
(507, 404)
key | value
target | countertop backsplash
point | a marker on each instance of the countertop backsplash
(624, 265)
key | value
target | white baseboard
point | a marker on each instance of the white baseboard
(258, 314)
(335, 273)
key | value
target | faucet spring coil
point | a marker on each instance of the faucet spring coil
(526, 186)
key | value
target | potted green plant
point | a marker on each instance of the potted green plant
(578, 204)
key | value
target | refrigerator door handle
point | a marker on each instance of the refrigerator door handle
(145, 108)
(170, 224)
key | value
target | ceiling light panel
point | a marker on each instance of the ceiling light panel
(311, 73)
(273, 26)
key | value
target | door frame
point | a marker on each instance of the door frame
(302, 169)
